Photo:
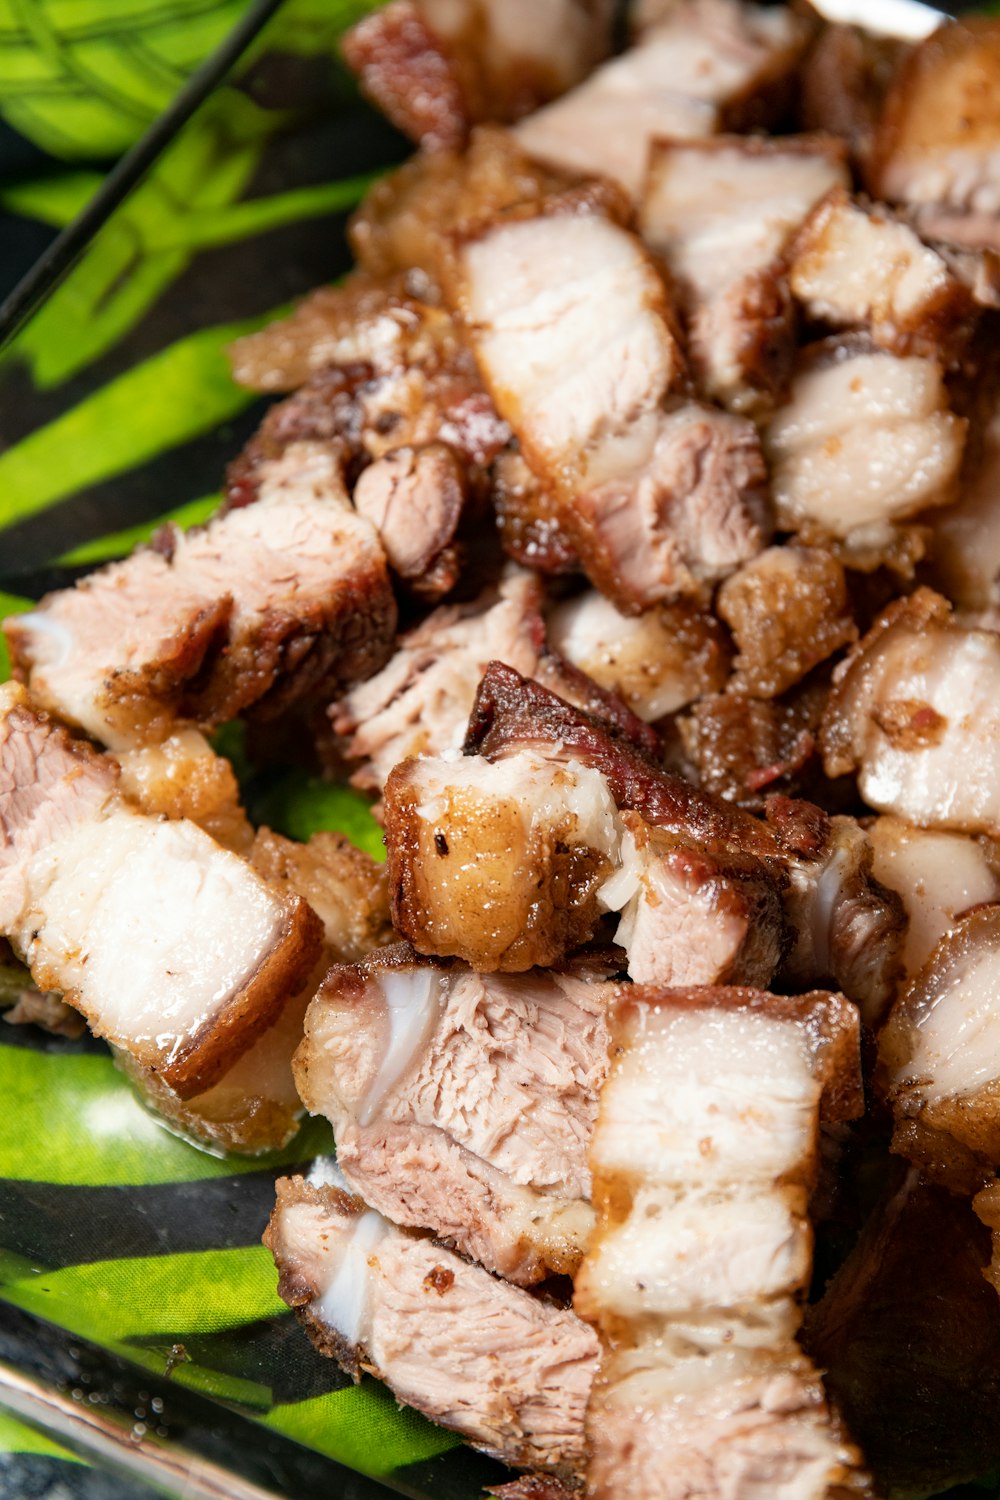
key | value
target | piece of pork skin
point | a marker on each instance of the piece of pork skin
(703, 1157)
(265, 606)
(914, 712)
(507, 1371)
(721, 213)
(172, 947)
(463, 1103)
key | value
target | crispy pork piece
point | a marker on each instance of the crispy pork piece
(509, 1372)
(182, 777)
(656, 662)
(527, 515)
(836, 916)
(987, 1206)
(865, 439)
(963, 553)
(744, 749)
(463, 1103)
(419, 703)
(908, 1333)
(788, 610)
(658, 495)
(938, 877)
(435, 68)
(172, 947)
(703, 1158)
(843, 83)
(500, 865)
(914, 713)
(937, 137)
(709, 65)
(265, 606)
(721, 213)
(850, 928)
(938, 1056)
(414, 497)
(404, 224)
(856, 265)
(255, 1106)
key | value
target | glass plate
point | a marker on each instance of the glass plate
(139, 1308)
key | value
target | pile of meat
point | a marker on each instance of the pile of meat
(629, 529)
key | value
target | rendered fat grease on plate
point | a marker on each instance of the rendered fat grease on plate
(627, 525)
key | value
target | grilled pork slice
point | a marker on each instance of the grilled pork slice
(937, 136)
(914, 713)
(839, 919)
(172, 947)
(656, 662)
(788, 610)
(264, 606)
(703, 1157)
(500, 865)
(658, 495)
(858, 266)
(864, 439)
(908, 1333)
(721, 213)
(462, 1102)
(938, 876)
(486, 1359)
(255, 1106)
(182, 777)
(708, 65)
(938, 1056)
(419, 703)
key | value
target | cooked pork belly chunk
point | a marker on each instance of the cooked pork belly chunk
(500, 865)
(658, 495)
(721, 213)
(708, 64)
(182, 777)
(463, 1103)
(419, 703)
(964, 547)
(255, 1106)
(172, 947)
(527, 515)
(266, 605)
(743, 749)
(703, 1157)
(857, 266)
(915, 713)
(788, 610)
(843, 82)
(908, 1333)
(656, 662)
(938, 877)
(414, 497)
(434, 67)
(509, 1372)
(937, 137)
(938, 1056)
(865, 439)
(987, 1206)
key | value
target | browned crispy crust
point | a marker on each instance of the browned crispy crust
(256, 1005)
(411, 75)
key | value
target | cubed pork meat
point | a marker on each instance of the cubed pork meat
(508, 1371)
(703, 1158)
(182, 777)
(658, 495)
(788, 610)
(721, 214)
(855, 265)
(865, 439)
(267, 605)
(908, 1334)
(914, 714)
(463, 1103)
(939, 129)
(255, 1105)
(843, 83)
(938, 1056)
(656, 662)
(709, 64)
(434, 67)
(938, 877)
(414, 497)
(745, 749)
(963, 553)
(172, 947)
